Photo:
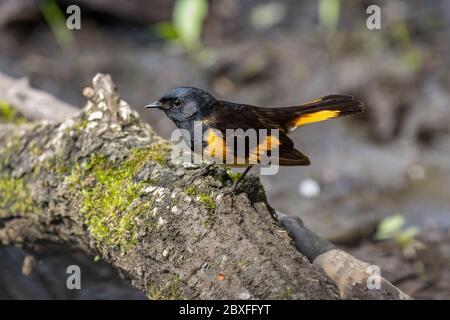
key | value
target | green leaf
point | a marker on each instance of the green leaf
(400, 32)
(265, 16)
(413, 59)
(329, 11)
(188, 16)
(389, 227)
(166, 30)
(405, 237)
(57, 23)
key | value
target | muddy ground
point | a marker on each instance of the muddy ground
(394, 159)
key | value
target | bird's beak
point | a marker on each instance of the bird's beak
(153, 105)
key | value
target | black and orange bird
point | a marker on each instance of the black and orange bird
(186, 106)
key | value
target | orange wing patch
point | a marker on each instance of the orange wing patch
(218, 149)
(314, 117)
(269, 143)
(216, 146)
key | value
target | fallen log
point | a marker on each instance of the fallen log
(103, 182)
(32, 103)
(354, 278)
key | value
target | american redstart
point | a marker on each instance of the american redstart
(188, 106)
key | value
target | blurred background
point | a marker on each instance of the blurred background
(379, 183)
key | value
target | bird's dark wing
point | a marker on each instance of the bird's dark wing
(290, 118)
(286, 154)
(277, 145)
(227, 115)
(291, 157)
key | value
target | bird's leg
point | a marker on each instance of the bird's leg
(233, 188)
(242, 176)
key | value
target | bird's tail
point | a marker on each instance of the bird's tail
(328, 107)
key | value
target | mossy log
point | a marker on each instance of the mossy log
(104, 182)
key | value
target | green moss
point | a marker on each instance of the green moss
(191, 191)
(9, 114)
(83, 124)
(9, 151)
(80, 125)
(52, 164)
(233, 175)
(210, 220)
(74, 179)
(110, 198)
(36, 150)
(170, 292)
(159, 153)
(16, 196)
(61, 167)
(205, 198)
(285, 294)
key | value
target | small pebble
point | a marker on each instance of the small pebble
(309, 188)
(416, 172)
(244, 296)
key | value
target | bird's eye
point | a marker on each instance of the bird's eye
(177, 102)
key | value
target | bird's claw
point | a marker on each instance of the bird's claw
(231, 189)
(204, 171)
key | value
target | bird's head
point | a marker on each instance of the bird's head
(183, 103)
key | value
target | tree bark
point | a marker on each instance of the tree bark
(105, 183)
